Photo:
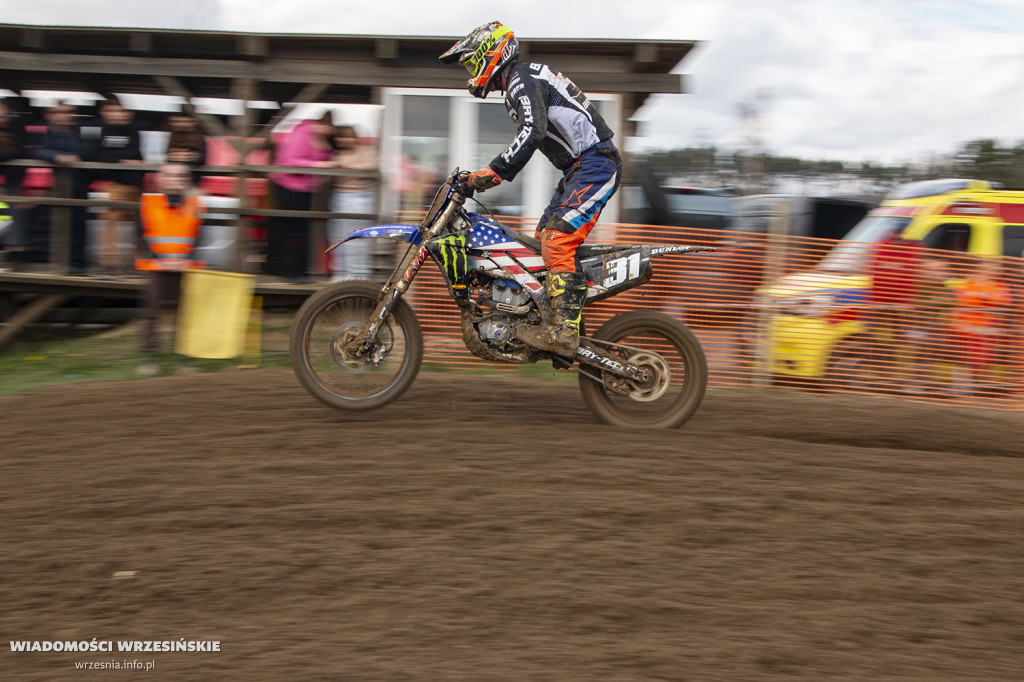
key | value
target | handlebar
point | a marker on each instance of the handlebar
(458, 181)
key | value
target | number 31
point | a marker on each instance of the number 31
(618, 270)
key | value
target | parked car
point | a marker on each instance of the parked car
(805, 216)
(725, 282)
(649, 202)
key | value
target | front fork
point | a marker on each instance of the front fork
(363, 343)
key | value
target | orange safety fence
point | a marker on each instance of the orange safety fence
(815, 314)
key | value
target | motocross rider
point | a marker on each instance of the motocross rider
(553, 115)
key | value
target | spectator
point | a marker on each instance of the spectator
(890, 302)
(929, 330)
(981, 302)
(412, 181)
(62, 144)
(186, 144)
(118, 142)
(351, 195)
(169, 223)
(308, 146)
(12, 146)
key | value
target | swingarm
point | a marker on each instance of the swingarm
(587, 355)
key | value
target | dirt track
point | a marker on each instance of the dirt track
(794, 536)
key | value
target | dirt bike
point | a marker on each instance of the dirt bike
(356, 345)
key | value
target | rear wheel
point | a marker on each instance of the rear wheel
(672, 355)
(325, 324)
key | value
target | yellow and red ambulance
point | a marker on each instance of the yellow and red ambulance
(814, 317)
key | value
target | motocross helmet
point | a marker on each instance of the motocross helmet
(484, 52)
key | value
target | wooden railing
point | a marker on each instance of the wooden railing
(61, 199)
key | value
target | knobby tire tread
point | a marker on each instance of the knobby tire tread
(404, 317)
(622, 326)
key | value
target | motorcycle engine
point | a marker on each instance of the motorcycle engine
(510, 301)
(508, 295)
(495, 331)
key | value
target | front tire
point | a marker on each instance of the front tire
(323, 325)
(668, 346)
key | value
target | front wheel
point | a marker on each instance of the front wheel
(324, 325)
(673, 355)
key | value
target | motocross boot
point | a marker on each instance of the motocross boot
(566, 291)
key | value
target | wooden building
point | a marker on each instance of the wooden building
(289, 70)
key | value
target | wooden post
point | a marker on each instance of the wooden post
(210, 124)
(308, 94)
(61, 221)
(29, 314)
(774, 267)
(244, 89)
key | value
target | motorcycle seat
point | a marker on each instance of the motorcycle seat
(583, 251)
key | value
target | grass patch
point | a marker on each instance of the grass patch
(56, 361)
(49, 359)
(109, 356)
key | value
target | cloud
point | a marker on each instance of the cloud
(185, 14)
(866, 80)
(850, 79)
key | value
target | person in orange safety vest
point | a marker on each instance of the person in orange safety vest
(981, 303)
(169, 224)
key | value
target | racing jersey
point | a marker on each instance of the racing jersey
(551, 114)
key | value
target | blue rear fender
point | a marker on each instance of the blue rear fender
(401, 233)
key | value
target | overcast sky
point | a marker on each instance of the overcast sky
(879, 80)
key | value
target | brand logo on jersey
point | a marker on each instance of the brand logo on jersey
(517, 144)
(527, 109)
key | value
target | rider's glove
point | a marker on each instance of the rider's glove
(483, 179)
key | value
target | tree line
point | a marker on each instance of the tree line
(983, 159)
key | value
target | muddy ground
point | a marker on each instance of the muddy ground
(467, 534)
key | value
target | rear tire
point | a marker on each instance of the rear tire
(669, 338)
(317, 348)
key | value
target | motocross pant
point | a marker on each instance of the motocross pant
(585, 188)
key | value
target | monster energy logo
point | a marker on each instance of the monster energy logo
(454, 259)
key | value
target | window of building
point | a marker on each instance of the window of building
(494, 131)
(423, 148)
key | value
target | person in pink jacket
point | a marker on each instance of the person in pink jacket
(307, 146)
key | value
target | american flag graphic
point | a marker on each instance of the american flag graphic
(485, 237)
(514, 258)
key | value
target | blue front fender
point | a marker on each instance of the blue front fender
(407, 233)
